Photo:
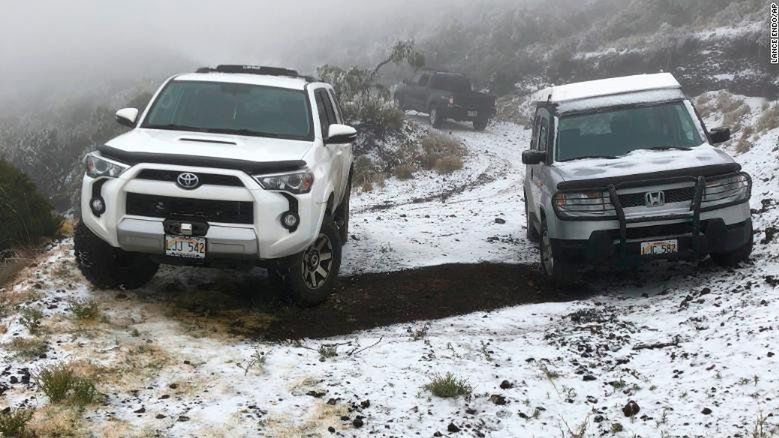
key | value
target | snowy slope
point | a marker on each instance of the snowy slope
(676, 340)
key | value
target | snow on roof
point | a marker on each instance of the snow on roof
(242, 78)
(607, 87)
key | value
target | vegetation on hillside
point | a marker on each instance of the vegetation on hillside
(25, 215)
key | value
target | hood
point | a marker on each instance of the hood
(217, 146)
(647, 164)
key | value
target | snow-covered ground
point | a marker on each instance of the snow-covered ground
(694, 348)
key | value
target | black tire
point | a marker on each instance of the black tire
(436, 118)
(733, 258)
(107, 267)
(302, 283)
(342, 214)
(532, 233)
(559, 273)
(480, 124)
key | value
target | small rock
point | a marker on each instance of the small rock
(140, 411)
(588, 378)
(506, 385)
(316, 394)
(770, 354)
(498, 399)
(365, 404)
(159, 416)
(332, 402)
(706, 411)
(437, 434)
(500, 221)
(183, 418)
(471, 411)
(173, 386)
(357, 423)
(14, 380)
(331, 429)
(631, 409)
(452, 428)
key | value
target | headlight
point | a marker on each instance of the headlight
(296, 183)
(583, 204)
(733, 188)
(99, 167)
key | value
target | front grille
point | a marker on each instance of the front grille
(658, 231)
(204, 178)
(232, 212)
(684, 194)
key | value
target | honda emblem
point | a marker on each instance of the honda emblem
(655, 199)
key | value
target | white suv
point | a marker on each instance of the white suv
(228, 166)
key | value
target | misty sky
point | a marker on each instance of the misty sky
(36, 34)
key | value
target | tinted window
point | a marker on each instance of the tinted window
(451, 82)
(424, 79)
(336, 107)
(620, 131)
(232, 109)
(322, 112)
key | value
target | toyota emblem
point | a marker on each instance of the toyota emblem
(188, 181)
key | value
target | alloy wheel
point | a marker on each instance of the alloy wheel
(318, 262)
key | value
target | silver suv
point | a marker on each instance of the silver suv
(623, 170)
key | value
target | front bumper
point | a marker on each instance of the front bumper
(264, 238)
(606, 246)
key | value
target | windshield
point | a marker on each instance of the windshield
(229, 108)
(614, 133)
(451, 82)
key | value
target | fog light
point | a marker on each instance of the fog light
(97, 205)
(290, 220)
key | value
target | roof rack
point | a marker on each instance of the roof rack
(255, 70)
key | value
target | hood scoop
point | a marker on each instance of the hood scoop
(208, 140)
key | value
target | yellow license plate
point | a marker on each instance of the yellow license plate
(660, 247)
(185, 246)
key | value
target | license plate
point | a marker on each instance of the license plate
(660, 247)
(472, 113)
(185, 247)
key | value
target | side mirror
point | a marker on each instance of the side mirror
(127, 117)
(719, 135)
(533, 157)
(340, 134)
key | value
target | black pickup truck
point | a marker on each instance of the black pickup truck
(445, 95)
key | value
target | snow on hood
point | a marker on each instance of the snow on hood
(642, 161)
(259, 149)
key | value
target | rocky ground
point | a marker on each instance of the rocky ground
(666, 350)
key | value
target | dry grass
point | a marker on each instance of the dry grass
(442, 153)
(13, 263)
(735, 117)
(28, 348)
(768, 120)
(404, 172)
(744, 144)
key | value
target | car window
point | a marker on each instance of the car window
(619, 131)
(229, 108)
(424, 79)
(543, 134)
(324, 123)
(336, 106)
(451, 82)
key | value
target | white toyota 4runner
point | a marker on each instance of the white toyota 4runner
(228, 166)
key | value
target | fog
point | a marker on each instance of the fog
(44, 41)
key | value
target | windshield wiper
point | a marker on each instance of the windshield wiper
(665, 148)
(610, 157)
(175, 127)
(246, 132)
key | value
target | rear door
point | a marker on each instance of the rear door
(419, 92)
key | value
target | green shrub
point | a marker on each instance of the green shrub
(84, 310)
(25, 215)
(31, 318)
(60, 383)
(448, 386)
(14, 422)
